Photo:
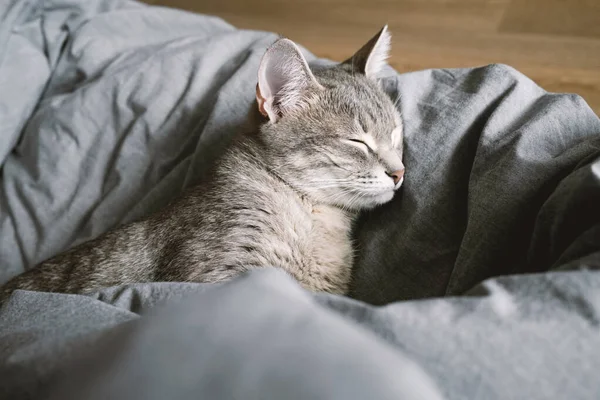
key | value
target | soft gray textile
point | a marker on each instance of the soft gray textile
(532, 337)
(109, 109)
(255, 324)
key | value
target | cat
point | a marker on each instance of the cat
(285, 196)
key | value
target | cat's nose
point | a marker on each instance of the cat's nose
(396, 175)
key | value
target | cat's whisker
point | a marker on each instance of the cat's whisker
(323, 184)
(347, 203)
(331, 181)
(331, 186)
(397, 102)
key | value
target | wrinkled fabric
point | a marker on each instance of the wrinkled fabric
(486, 261)
(502, 178)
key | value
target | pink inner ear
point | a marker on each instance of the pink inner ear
(261, 102)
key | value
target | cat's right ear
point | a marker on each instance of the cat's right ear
(371, 58)
(284, 80)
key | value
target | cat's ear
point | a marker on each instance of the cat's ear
(371, 59)
(284, 80)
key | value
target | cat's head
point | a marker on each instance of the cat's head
(332, 133)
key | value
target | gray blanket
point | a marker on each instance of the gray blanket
(486, 262)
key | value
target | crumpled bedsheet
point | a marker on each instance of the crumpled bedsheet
(480, 279)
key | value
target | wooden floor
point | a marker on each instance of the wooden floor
(555, 42)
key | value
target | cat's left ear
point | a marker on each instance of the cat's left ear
(285, 80)
(371, 59)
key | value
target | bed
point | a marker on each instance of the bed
(479, 281)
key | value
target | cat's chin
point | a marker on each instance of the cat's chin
(378, 200)
(368, 202)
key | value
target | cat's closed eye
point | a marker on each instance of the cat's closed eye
(359, 143)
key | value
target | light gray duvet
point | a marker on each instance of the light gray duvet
(486, 262)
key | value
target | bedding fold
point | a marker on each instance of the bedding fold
(479, 280)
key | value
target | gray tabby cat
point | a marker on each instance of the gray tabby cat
(284, 196)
